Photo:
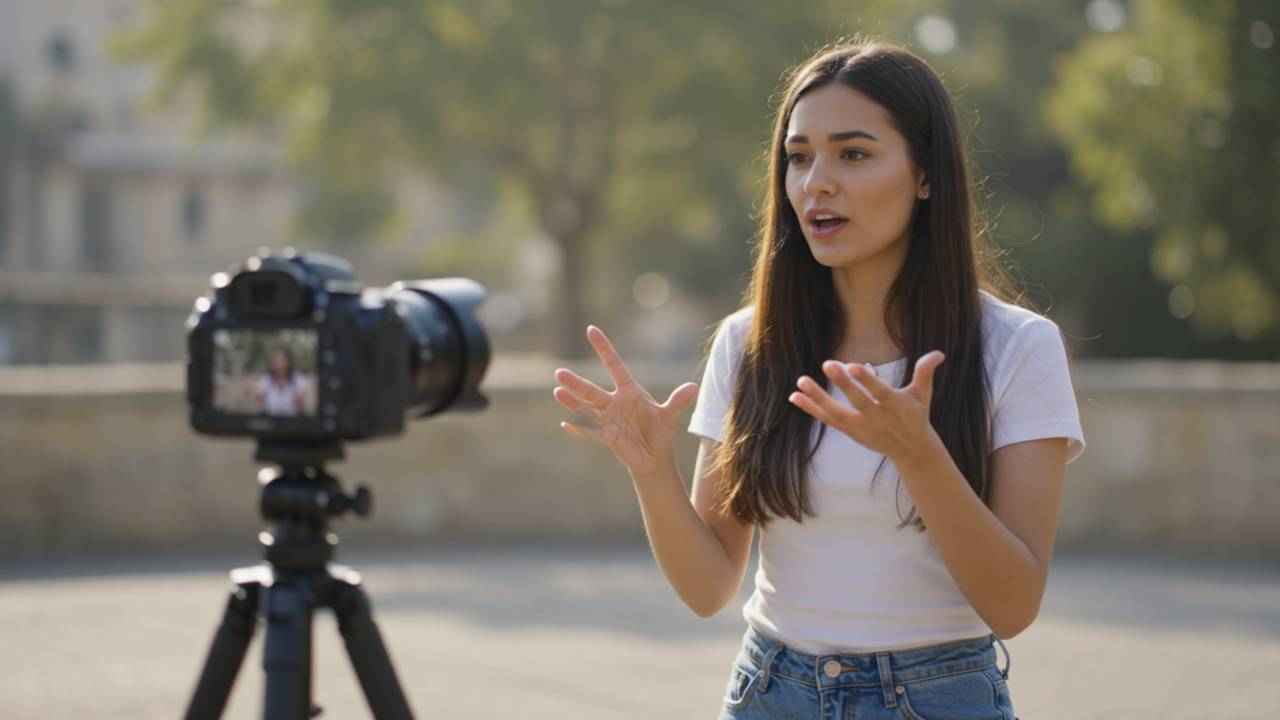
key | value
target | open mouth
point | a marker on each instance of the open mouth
(826, 225)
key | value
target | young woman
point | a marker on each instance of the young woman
(282, 390)
(894, 427)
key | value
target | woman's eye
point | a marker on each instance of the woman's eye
(795, 157)
(854, 154)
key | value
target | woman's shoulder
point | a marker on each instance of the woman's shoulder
(735, 325)
(728, 338)
(1014, 337)
(741, 317)
(1002, 320)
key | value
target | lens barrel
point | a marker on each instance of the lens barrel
(448, 349)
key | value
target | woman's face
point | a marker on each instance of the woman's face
(849, 176)
(279, 363)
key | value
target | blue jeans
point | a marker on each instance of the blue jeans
(950, 681)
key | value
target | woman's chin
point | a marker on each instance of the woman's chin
(830, 255)
(837, 252)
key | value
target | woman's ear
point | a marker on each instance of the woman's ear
(922, 191)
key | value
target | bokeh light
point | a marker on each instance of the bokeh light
(651, 290)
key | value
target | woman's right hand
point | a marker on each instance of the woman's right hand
(628, 421)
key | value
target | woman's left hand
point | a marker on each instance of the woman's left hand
(890, 421)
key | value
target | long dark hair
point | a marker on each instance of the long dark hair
(799, 322)
(288, 358)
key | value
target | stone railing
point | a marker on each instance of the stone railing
(1183, 457)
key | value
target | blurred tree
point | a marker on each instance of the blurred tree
(1171, 122)
(631, 134)
(600, 113)
(996, 65)
(996, 58)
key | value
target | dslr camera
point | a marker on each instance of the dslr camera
(290, 348)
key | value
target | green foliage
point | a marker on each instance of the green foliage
(630, 133)
(1171, 123)
(631, 122)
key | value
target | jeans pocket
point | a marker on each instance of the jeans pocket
(972, 695)
(742, 684)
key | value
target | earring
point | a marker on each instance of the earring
(924, 195)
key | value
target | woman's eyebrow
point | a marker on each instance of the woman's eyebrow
(834, 137)
(851, 134)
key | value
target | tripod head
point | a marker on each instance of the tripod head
(299, 496)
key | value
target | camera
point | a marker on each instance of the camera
(290, 347)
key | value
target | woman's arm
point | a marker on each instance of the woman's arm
(998, 556)
(702, 553)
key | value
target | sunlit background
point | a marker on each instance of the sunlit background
(601, 161)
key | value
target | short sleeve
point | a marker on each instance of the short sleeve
(1034, 396)
(718, 380)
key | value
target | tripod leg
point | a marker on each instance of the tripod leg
(287, 652)
(368, 654)
(225, 655)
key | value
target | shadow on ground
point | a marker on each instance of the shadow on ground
(619, 588)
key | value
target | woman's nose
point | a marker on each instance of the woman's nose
(819, 181)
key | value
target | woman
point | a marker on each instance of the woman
(283, 390)
(896, 550)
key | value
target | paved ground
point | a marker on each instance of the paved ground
(555, 632)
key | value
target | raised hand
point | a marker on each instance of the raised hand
(628, 421)
(881, 418)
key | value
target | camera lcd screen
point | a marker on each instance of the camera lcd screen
(265, 372)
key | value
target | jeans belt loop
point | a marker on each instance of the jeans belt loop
(766, 666)
(1007, 659)
(886, 680)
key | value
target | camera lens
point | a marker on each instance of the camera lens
(448, 350)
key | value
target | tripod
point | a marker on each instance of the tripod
(297, 577)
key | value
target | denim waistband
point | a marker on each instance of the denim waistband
(886, 669)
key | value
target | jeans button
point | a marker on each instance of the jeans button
(831, 668)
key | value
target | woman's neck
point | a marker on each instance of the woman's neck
(862, 292)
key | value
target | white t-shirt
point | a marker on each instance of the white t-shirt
(847, 580)
(281, 398)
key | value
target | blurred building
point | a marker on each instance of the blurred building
(112, 215)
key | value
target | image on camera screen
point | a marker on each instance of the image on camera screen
(265, 372)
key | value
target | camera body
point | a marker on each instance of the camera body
(292, 348)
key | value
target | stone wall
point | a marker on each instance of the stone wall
(1182, 457)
